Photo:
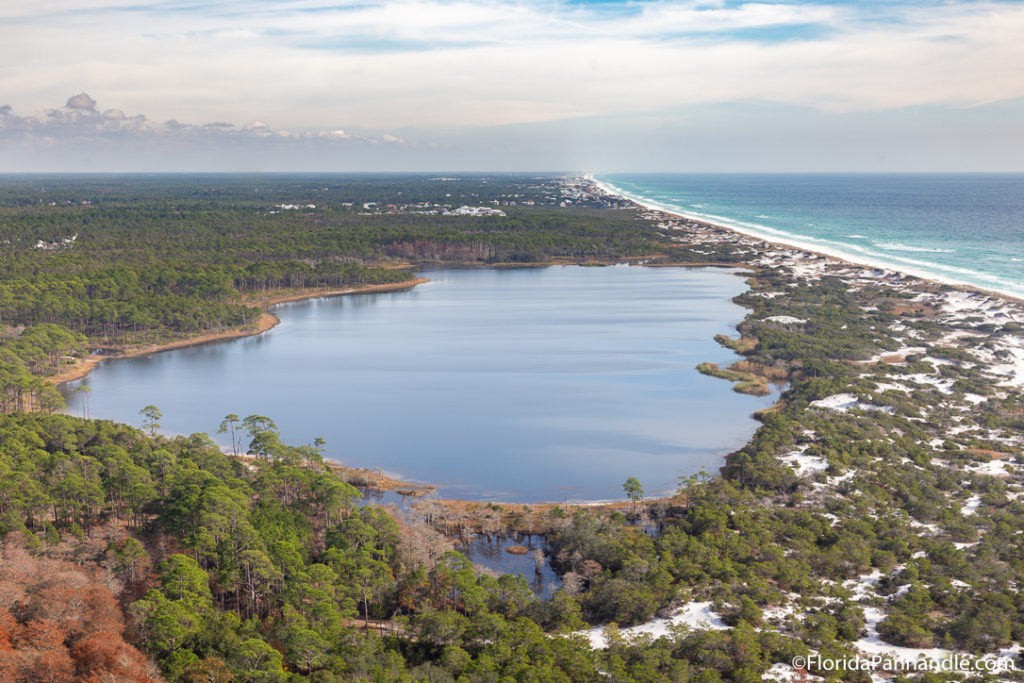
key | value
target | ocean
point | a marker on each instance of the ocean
(956, 228)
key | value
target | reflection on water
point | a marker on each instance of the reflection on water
(504, 385)
(380, 497)
(492, 552)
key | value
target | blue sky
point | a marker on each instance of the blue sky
(498, 85)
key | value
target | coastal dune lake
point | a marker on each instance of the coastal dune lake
(508, 385)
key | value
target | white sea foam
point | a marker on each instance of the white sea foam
(897, 246)
(947, 274)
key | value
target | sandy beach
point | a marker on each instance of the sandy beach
(947, 303)
(266, 322)
(656, 211)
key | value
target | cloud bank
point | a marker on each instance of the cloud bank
(82, 137)
(80, 119)
(464, 79)
(403, 63)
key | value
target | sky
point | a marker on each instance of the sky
(498, 85)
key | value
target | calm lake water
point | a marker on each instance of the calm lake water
(507, 385)
(534, 566)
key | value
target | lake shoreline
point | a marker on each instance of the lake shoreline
(367, 479)
(267, 321)
(799, 263)
(956, 302)
(673, 285)
(951, 302)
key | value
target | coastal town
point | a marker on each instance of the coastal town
(571, 192)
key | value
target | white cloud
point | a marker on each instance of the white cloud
(312, 66)
(407, 63)
(258, 128)
(81, 101)
(659, 19)
(79, 119)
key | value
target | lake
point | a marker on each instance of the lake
(540, 384)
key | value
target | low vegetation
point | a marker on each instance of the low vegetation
(887, 514)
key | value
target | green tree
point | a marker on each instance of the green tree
(167, 624)
(183, 579)
(127, 555)
(254, 660)
(257, 577)
(228, 425)
(85, 390)
(152, 421)
(265, 440)
(442, 628)
(307, 649)
(634, 491)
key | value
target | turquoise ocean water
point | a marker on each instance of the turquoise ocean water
(959, 228)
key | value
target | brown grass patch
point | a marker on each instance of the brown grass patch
(741, 345)
(914, 309)
(986, 453)
(774, 408)
(759, 370)
(887, 358)
(358, 476)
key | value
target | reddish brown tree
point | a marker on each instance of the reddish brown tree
(105, 656)
(60, 622)
(50, 666)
